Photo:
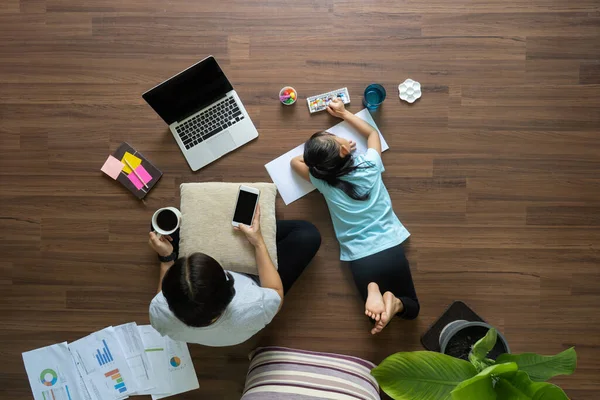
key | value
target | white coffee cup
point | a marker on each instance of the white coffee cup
(161, 231)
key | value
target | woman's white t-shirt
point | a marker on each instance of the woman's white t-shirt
(250, 310)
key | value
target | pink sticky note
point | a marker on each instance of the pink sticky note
(141, 171)
(112, 167)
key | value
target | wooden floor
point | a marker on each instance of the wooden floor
(495, 170)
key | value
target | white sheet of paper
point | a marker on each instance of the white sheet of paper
(156, 351)
(133, 350)
(102, 365)
(290, 185)
(52, 374)
(181, 368)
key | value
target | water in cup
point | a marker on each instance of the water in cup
(374, 96)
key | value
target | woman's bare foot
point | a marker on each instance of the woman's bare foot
(393, 306)
(374, 305)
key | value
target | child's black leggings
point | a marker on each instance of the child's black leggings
(390, 270)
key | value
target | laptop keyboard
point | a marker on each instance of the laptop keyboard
(210, 122)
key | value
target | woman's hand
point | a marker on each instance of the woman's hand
(336, 108)
(252, 232)
(162, 245)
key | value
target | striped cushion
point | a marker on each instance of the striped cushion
(279, 373)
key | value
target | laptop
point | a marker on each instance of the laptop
(204, 113)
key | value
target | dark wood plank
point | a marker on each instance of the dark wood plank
(512, 24)
(589, 72)
(563, 215)
(563, 48)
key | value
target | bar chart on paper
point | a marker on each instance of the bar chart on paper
(117, 380)
(104, 356)
(102, 365)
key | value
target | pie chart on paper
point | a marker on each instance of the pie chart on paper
(175, 361)
(48, 377)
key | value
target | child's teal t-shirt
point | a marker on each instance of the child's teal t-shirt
(363, 227)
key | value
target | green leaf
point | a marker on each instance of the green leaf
(500, 369)
(520, 387)
(541, 368)
(483, 346)
(421, 375)
(481, 385)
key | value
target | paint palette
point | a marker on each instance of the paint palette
(320, 102)
(409, 90)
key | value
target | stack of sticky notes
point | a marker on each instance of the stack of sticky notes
(129, 167)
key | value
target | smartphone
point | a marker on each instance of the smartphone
(245, 207)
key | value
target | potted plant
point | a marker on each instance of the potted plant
(458, 338)
(427, 375)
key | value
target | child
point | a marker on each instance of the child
(369, 233)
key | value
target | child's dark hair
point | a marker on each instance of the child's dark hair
(322, 157)
(197, 289)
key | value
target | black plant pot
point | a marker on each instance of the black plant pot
(458, 337)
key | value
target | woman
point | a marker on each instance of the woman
(200, 302)
(369, 233)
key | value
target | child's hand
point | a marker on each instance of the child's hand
(336, 108)
(299, 159)
(352, 145)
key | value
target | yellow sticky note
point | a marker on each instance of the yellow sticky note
(133, 161)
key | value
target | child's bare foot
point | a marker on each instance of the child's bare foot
(393, 306)
(374, 305)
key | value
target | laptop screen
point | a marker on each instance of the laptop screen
(189, 91)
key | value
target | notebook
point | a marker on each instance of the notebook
(130, 168)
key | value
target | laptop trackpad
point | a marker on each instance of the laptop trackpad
(222, 144)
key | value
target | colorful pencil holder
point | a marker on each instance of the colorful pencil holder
(288, 95)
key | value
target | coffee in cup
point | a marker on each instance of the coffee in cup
(166, 220)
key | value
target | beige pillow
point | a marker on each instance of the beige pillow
(207, 209)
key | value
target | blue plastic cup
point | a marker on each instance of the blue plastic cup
(374, 95)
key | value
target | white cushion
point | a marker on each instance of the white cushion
(207, 209)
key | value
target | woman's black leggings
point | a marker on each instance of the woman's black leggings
(390, 270)
(297, 244)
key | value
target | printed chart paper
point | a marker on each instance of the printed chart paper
(112, 364)
(133, 349)
(181, 369)
(53, 375)
(156, 351)
(100, 361)
(290, 185)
